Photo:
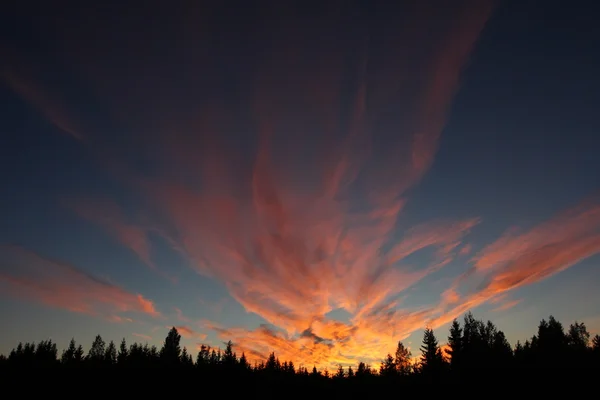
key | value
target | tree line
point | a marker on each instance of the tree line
(474, 348)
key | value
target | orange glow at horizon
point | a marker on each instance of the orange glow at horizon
(309, 222)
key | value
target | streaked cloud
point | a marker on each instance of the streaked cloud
(507, 305)
(55, 283)
(520, 258)
(142, 336)
(118, 319)
(291, 188)
(129, 232)
(180, 316)
(292, 239)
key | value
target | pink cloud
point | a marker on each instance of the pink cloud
(57, 284)
(519, 259)
(142, 336)
(507, 305)
(180, 316)
(130, 234)
(188, 332)
(309, 224)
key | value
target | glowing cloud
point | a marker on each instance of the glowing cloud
(142, 336)
(188, 332)
(288, 187)
(58, 284)
(519, 259)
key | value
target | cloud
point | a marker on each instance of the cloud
(180, 316)
(17, 76)
(295, 237)
(519, 259)
(57, 284)
(109, 215)
(216, 307)
(466, 249)
(187, 332)
(289, 187)
(286, 181)
(507, 305)
(118, 319)
(142, 336)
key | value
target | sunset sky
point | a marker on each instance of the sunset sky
(318, 181)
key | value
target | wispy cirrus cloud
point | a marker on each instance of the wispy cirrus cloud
(523, 258)
(293, 241)
(142, 336)
(180, 316)
(128, 231)
(20, 77)
(331, 342)
(290, 187)
(58, 284)
(188, 333)
(507, 305)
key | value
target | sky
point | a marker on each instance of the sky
(321, 181)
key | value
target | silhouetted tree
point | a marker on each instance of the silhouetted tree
(315, 372)
(229, 358)
(388, 367)
(455, 344)
(363, 370)
(432, 360)
(474, 347)
(596, 343)
(340, 372)
(186, 359)
(402, 360)
(97, 352)
(501, 352)
(170, 353)
(244, 362)
(110, 355)
(272, 364)
(550, 347)
(123, 353)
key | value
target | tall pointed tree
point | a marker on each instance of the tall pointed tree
(340, 372)
(69, 354)
(170, 353)
(229, 359)
(97, 351)
(432, 360)
(455, 344)
(402, 359)
(123, 353)
(110, 355)
(388, 367)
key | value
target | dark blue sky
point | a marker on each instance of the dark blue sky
(301, 167)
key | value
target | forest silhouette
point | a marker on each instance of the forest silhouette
(475, 350)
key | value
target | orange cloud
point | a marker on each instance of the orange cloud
(315, 239)
(507, 305)
(111, 217)
(180, 316)
(519, 259)
(348, 117)
(58, 284)
(580, 222)
(348, 121)
(188, 332)
(466, 249)
(295, 237)
(116, 318)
